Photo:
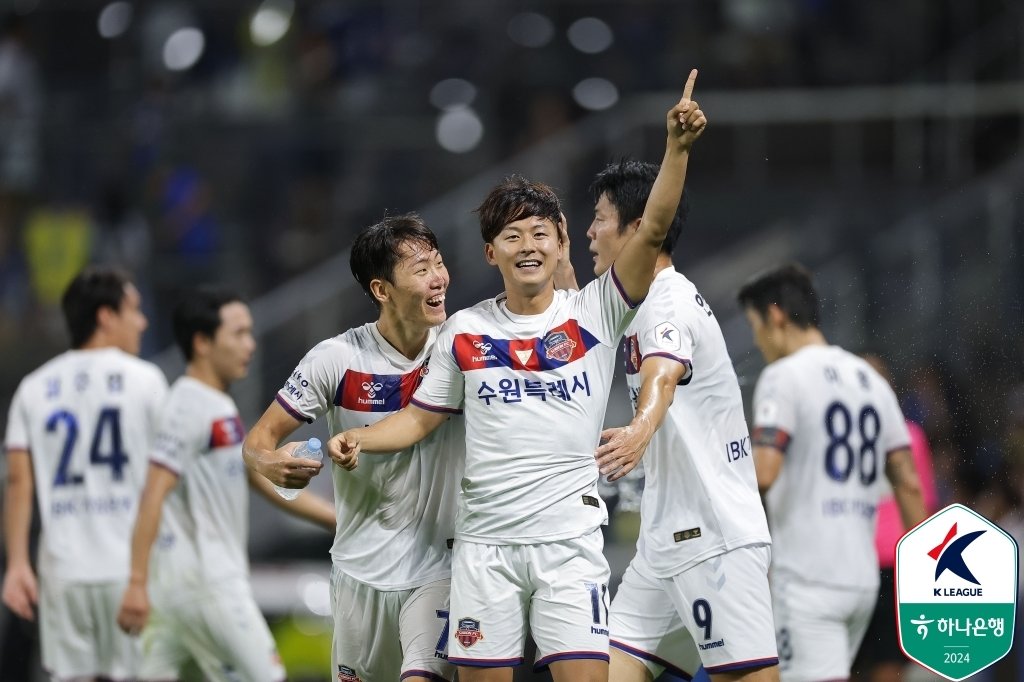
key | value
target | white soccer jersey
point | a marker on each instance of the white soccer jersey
(534, 389)
(205, 523)
(836, 420)
(702, 447)
(396, 512)
(88, 418)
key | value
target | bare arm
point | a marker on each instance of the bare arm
(768, 464)
(135, 603)
(20, 590)
(634, 266)
(395, 432)
(906, 487)
(262, 454)
(625, 445)
(307, 506)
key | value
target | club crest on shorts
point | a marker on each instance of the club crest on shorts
(347, 674)
(468, 633)
(558, 346)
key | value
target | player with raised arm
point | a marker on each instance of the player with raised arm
(78, 434)
(203, 606)
(697, 590)
(531, 370)
(395, 514)
(825, 425)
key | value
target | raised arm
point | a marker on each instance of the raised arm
(20, 590)
(395, 432)
(634, 266)
(625, 445)
(906, 487)
(134, 611)
(262, 454)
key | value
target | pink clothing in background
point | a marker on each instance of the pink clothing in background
(890, 526)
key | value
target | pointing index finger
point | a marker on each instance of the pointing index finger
(688, 90)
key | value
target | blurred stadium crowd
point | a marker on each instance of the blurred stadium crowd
(248, 142)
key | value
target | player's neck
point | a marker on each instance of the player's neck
(407, 339)
(797, 338)
(664, 262)
(204, 374)
(523, 303)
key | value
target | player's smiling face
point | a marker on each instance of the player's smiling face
(233, 343)
(605, 239)
(419, 284)
(526, 253)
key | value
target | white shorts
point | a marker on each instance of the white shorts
(79, 633)
(819, 628)
(384, 636)
(219, 626)
(561, 587)
(717, 613)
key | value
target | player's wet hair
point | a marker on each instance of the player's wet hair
(513, 199)
(376, 250)
(92, 289)
(790, 288)
(198, 312)
(628, 184)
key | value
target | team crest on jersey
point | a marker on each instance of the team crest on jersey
(347, 674)
(468, 633)
(558, 346)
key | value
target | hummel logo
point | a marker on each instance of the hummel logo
(372, 388)
(952, 558)
(484, 348)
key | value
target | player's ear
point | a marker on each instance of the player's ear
(489, 254)
(775, 316)
(632, 227)
(379, 290)
(201, 345)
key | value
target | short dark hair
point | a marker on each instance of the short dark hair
(513, 199)
(198, 312)
(628, 184)
(790, 288)
(375, 252)
(93, 288)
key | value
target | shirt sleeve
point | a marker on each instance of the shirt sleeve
(17, 436)
(774, 410)
(443, 388)
(181, 435)
(603, 307)
(665, 329)
(310, 390)
(158, 400)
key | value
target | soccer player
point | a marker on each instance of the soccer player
(700, 574)
(203, 607)
(78, 433)
(531, 369)
(395, 514)
(825, 425)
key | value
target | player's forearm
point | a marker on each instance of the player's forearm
(307, 505)
(398, 431)
(147, 525)
(258, 447)
(656, 395)
(18, 520)
(906, 488)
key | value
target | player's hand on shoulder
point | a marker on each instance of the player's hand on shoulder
(621, 450)
(686, 121)
(21, 592)
(343, 449)
(134, 611)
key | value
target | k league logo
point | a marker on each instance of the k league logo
(956, 592)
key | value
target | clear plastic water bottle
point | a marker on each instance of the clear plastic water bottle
(308, 450)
